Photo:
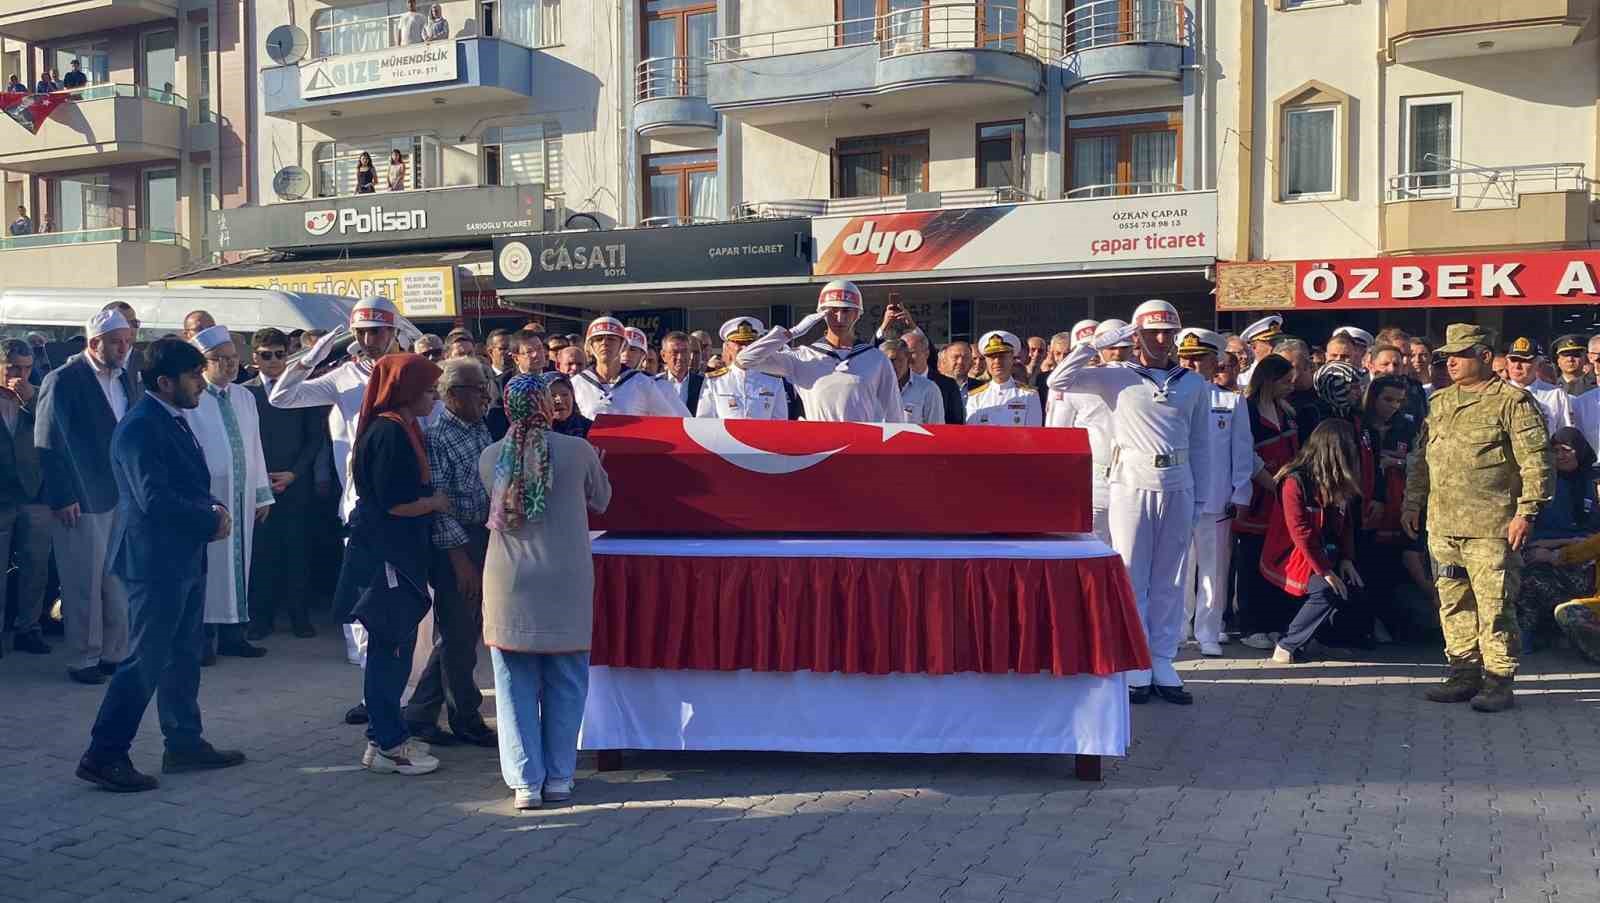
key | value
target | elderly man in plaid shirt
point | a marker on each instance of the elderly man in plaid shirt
(456, 439)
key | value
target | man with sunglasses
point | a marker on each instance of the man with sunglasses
(291, 439)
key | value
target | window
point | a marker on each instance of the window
(1001, 152)
(1124, 153)
(95, 58)
(894, 22)
(159, 204)
(1310, 152)
(202, 90)
(879, 165)
(1000, 25)
(681, 187)
(159, 69)
(1430, 141)
(333, 164)
(676, 43)
(81, 201)
(531, 23)
(528, 154)
(355, 29)
(1104, 22)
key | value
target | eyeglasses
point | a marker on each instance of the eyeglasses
(222, 358)
(433, 355)
(271, 355)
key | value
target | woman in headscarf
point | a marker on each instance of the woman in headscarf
(389, 543)
(538, 591)
(566, 420)
(1570, 516)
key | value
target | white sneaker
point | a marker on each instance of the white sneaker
(558, 791)
(524, 798)
(409, 758)
(1210, 649)
(1282, 656)
(369, 755)
(1258, 641)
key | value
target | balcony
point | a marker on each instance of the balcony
(893, 203)
(94, 258)
(409, 79)
(1540, 206)
(34, 22)
(1118, 44)
(1417, 31)
(670, 97)
(107, 125)
(941, 56)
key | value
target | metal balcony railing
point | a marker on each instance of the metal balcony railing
(657, 222)
(1104, 23)
(1487, 187)
(88, 236)
(977, 25)
(670, 76)
(1119, 189)
(101, 92)
(893, 203)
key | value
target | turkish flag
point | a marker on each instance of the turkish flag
(710, 476)
(31, 110)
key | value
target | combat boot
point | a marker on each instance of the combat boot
(1462, 685)
(1495, 695)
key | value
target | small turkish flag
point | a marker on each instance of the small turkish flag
(709, 476)
(31, 110)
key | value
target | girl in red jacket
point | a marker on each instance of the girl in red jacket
(1311, 539)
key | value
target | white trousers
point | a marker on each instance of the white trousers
(1205, 570)
(1151, 531)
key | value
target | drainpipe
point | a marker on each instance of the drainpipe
(1245, 174)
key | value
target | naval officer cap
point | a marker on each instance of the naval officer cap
(1355, 334)
(998, 341)
(1263, 330)
(105, 321)
(1107, 327)
(604, 326)
(1197, 342)
(1083, 331)
(636, 338)
(741, 330)
(211, 338)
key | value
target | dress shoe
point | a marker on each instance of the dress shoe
(109, 668)
(1139, 695)
(240, 649)
(1175, 695)
(32, 643)
(304, 630)
(204, 757)
(117, 777)
(89, 675)
(258, 631)
(208, 658)
(357, 714)
(430, 734)
(476, 735)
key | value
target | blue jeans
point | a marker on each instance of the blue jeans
(1319, 605)
(167, 637)
(539, 707)
(383, 683)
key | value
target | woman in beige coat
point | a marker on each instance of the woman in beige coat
(538, 591)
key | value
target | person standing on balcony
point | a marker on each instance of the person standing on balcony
(21, 225)
(413, 26)
(438, 29)
(14, 85)
(366, 174)
(75, 78)
(397, 161)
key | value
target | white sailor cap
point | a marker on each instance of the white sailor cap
(636, 338)
(211, 337)
(1083, 331)
(105, 321)
(1263, 330)
(373, 311)
(1156, 314)
(1107, 327)
(839, 293)
(606, 326)
(1197, 342)
(742, 330)
(1355, 334)
(998, 341)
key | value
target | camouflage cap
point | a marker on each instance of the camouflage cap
(1459, 337)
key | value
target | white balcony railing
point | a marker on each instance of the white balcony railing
(1488, 187)
(1104, 23)
(976, 25)
(893, 203)
(1117, 189)
(88, 236)
(670, 76)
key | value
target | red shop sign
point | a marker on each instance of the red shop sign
(1481, 280)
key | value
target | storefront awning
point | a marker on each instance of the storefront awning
(423, 285)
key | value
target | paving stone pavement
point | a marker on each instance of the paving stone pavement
(1329, 782)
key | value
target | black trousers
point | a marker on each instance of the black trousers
(279, 563)
(447, 680)
(1263, 608)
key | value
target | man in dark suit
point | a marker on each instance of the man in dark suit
(167, 517)
(24, 519)
(678, 374)
(290, 441)
(79, 405)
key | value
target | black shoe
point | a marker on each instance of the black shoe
(357, 714)
(240, 649)
(1139, 695)
(1175, 695)
(476, 735)
(32, 643)
(209, 658)
(258, 631)
(430, 734)
(304, 630)
(117, 777)
(204, 757)
(90, 675)
(109, 668)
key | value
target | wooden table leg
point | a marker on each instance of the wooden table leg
(1085, 768)
(611, 760)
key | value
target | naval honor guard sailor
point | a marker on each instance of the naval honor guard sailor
(732, 392)
(1002, 401)
(838, 378)
(608, 386)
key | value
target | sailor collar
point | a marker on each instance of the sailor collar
(840, 354)
(593, 378)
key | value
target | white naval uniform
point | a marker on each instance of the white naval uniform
(1553, 401)
(850, 384)
(1160, 421)
(921, 400)
(1233, 463)
(734, 393)
(634, 392)
(1004, 404)
(1089, 413)
(1244, 377)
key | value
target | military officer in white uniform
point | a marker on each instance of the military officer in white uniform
(1160, 418)
(1363, 339)
(607, 386)
(1002, 401)
(1260, 336)
(1522, 365)
(837, 377)
(1087, 412)
(733, 393)
(1226, 484)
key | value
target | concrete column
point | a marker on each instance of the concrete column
(1195, 123)
(729, 180)
(1054, 106)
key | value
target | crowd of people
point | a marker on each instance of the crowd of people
(1302, 499)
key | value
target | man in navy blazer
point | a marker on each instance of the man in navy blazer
(166, 517)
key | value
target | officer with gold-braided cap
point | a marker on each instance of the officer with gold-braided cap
(1002, 401)
(734, 393)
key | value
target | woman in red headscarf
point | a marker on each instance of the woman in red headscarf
(388, 552)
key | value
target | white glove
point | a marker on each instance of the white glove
(324, 347)
(1114, 337)
(806, 324)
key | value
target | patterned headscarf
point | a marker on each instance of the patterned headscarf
(522, 474)
(1339, 386)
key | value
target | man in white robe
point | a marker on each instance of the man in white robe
(228, 429)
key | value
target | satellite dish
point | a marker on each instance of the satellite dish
(291, 183)
(287, 45)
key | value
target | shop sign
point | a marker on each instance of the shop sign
(655, 323)
(395, 67)
(634, 258)
(1089, 233)
(417, 291)
(1482, 280)
(398, 218)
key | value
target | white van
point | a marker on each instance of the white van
(60, 313)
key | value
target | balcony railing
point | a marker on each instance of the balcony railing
(658, 222)
(89, 236)
(101, 92)
(970, 197)
(1105, 23)
(670, 76)
(1488, 187)
(1118, 189)
(978, 25)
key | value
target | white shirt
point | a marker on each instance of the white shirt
(851, 384)
(921, 400)
(1233, 453)
(1144, 423)
(677, 385)
(342, 388)
(1553, 400)
(1244, 377)
(1088, 413)
(734, 393)
(412, 27)
(634, 392)
(110, 380)
(1004, 404)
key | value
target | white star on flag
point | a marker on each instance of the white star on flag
(891, 430)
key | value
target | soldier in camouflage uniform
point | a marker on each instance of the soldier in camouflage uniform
(1482, 467)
